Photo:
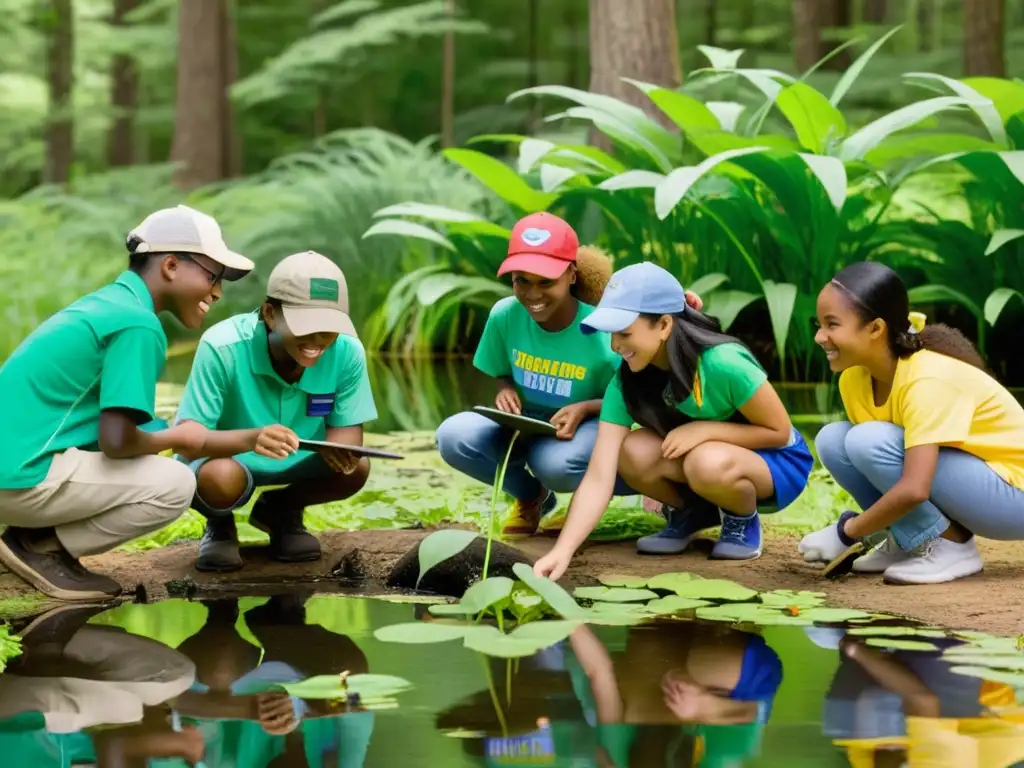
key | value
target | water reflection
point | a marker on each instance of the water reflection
(179, 683)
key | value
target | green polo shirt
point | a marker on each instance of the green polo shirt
(106, 350)
(233, 385)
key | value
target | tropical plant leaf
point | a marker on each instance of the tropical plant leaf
(491, 591)
(439, 546)
(403, 228)
(707, 284)
(616, 614)
(675, 186)
(452, 609)
(675, 604)
(557, 598)
(622, 580)
(926, 294)
(554, 176)
(727, 305)
(850, 75)
(997, 301)
(1007, 95)
(1001, 237)
(426, 211)
(636, 179)
(715, 589)
(781, 298)
(500, 179)
(815, 120)
(614, 594)
(545, 633)
(530, 152)
(721, 58)
(981, 105)
(831, 173)
(874, 133)
(685, 111)
(727, 112)
(670, 581)
(420, 633)
(490, 642)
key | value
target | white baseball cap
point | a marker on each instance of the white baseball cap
(186, 230)
(313, 294)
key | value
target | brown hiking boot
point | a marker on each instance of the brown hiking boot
(526, 515)
(290, 542)
(218, 549)
(54, 573)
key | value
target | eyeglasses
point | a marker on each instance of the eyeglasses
(214, 276)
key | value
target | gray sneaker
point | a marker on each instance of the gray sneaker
(56, 574)
(218, 550)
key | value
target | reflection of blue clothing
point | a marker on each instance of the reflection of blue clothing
(264, 678)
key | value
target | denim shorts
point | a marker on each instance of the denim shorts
(311, 468)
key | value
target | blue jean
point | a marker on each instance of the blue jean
(867, 460)
(476, 446)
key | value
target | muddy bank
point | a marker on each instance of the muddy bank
(992, 601)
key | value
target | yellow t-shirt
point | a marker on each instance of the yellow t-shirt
(939, 400)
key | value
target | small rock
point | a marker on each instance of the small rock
(454, 576)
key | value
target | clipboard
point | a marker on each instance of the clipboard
(523, 424)
(357, 450)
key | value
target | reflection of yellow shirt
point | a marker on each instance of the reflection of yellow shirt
(939, 400)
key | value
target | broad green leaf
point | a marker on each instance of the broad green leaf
(831, 615)
(637, 179)
(850, 75)
(781, 298)
(544, 633)
(727, 305)
(420, 632)
(1014, 679)
(621, 132)
(814, 119)
(613, 594)
(554, 176)
(675, 604)
(500, 179)
(404, 228)
(1007, 95)
(705, 285)
(990, 661)
(331, 687)
(530, 151)
(451, 609)
(675, 186)
(715, 589)
(427, 211)
(490, 642)
(927, 294)
(874, 133)
(901, 645)
(750, 613)
(622, 580)
(484, 594)
(786, 598)
(721, 58)
(895, 632)
(981, 105)
(997, 301)
(685, 111)
(637, 609)
(439, 546)
(616, 618)
(557, 598)
(1015, 163)
(831, 172)
(671, 581)
(727, 112)
(1001, 237)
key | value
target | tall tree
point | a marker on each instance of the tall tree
(448, 80)
(985, 38)
(59, 23)
(807, 23)
(635, 39)
(124, 96)
(205, 145)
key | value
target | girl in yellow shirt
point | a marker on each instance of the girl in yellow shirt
(933, 451)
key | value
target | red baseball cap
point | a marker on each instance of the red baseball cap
(541, 244)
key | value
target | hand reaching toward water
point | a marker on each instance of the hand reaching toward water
(553, 565)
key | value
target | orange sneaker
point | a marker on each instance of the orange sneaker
(525, 516)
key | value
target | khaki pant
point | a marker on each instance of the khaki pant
(131, 673)
(96, 503)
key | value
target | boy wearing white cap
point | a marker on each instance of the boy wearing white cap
(298, 362)
(79, 470)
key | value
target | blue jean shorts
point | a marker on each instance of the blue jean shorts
(311, 468)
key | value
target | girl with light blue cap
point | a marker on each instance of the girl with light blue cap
(710, 422)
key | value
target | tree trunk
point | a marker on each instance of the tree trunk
(635, 39)
(984, 38)
(60, 54)
(124, 96)
(710, 21)
(204, 144)
(807, 22)
(448, 81)
(838, 15)
(875, 11)
(232, 140)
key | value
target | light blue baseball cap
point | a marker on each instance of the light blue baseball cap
(643, 288)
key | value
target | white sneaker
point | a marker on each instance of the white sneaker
(881, 557)
(939, 560)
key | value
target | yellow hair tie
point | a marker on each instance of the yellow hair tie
(917, 321)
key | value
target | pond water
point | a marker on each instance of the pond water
(146, 684)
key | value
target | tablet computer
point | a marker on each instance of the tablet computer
(358, 450)
(524, 424)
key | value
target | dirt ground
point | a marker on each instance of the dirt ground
(992, 601)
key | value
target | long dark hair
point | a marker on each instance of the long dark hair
(877, 292)
(651, 394)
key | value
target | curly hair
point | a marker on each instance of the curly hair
(593, 271)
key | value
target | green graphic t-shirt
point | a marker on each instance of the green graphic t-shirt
(550, 370)
(728, 375)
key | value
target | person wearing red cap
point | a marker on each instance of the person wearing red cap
(545, 368)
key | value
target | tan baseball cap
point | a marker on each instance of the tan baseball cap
(313, 294)
(186, 230)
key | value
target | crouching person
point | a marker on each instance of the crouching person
(78, 476)
(297, 365)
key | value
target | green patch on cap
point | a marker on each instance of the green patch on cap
(323, 289)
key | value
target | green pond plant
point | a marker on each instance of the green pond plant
(10, 646)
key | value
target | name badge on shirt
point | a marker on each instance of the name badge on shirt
(320, 405)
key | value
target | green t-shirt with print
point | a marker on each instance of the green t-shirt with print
(728, 375)
(550, 369)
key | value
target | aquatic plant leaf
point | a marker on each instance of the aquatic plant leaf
(420, 632)
(618, 580)
(544, 633)
(526, 604)
(984, 643)
(486, 593)
(751, 613)
(895, 632)
(1001, 661)
(557, 598)
(616, 618)
(901, 645)
(828, 615)
(637, 609)
(614, 594)
(669, 581)
(1014, 679)
(674, 604)
(490, 642)
(439, 546)
(451, 609)
(787, 598)
(414, 599)
(715, 589)
(368, 686)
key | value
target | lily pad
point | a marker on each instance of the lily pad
(614, 594)
(369, 687)
(750, 613)
(420, 632)
(614, 618)
(490, 642)
(544, 633)
(452, 609)
(414, 599)
(787, 598)
(1014, 679)
(669, 581)
(675, 604)
(715, 589)
(486, 593)
(619, 580)
(990, 644)
(901, 645)
(557, 598)
(895, 632)
(637, 609)
(1005, 662)
(833, 615)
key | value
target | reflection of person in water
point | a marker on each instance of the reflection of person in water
(233, 702)
(887, 708)
(74, 677)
